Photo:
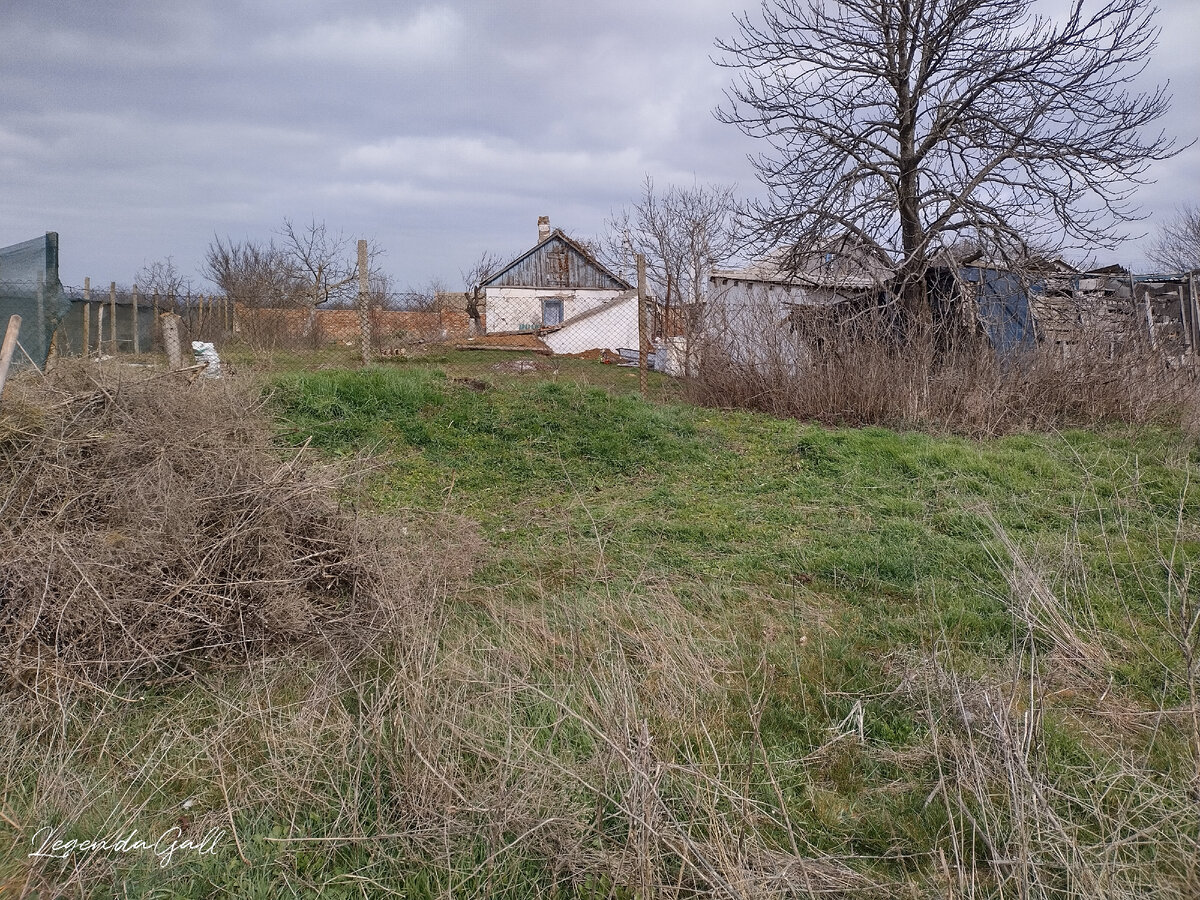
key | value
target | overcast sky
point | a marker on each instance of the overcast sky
(138, 130)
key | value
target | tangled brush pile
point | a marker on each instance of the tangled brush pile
(146, 523)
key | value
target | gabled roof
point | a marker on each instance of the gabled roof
(557, 262)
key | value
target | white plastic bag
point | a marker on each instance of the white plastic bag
(205, 352)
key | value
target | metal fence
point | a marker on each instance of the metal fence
(550, 329)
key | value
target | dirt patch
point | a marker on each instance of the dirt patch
(522, 366)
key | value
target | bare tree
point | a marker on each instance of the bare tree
(161, 279)
(683, 232)
(1177, 248)
(309, 267)
(484, 267)
(912, 123)
(422, 298)
(250, 273)
(323, 263)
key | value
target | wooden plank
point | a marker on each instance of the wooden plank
(7, 348)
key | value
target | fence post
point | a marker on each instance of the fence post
(7, 348)
(364, 320)
(137, 341)
(1149, 311)
(41, 309)
(154, 337)
(170, 333)
(112, 318)
(87, 316)
(643, 338)
(1194, 298)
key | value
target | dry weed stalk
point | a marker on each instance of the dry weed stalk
(857, 370)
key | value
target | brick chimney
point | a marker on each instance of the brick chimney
(543, 228)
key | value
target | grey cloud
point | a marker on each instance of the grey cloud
(137, 130)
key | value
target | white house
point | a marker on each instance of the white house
(560, 291)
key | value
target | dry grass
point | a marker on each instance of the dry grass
(599, 743)
(1108, 820)
(858, 372)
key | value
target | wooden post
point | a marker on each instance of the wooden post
(112, 318)
(87, 316)
(364, 318)
(155, 337)
(7, 348)
(170, 333)
(137, 341)
(1185, 316)
(643, 338)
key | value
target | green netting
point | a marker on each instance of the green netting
(30, 288)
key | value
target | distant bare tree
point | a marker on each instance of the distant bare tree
(912, 123)
(251, 273)
(683, 232)
(310, 266)
(324, 263)
(421, 298)
(161, 278)
(1177, 248)
(473, 277)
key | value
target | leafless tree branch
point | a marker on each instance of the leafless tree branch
(914, 124)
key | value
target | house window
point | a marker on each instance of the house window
(552, 312)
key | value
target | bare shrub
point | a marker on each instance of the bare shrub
(845, 368)
(146, 522)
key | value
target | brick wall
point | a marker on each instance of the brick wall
(389, 327)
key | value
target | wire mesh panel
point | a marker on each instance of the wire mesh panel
(29, 287)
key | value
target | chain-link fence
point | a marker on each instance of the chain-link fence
(120, 319)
